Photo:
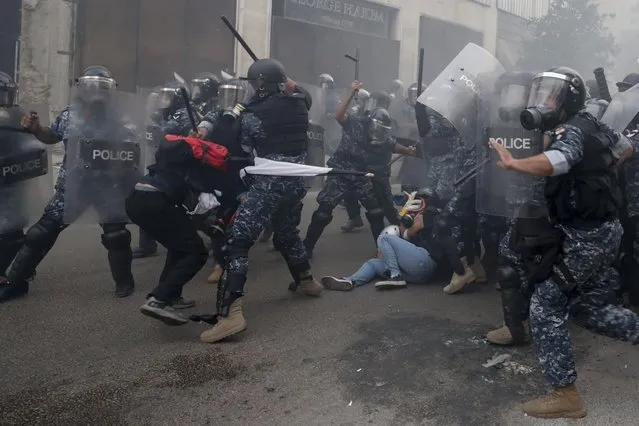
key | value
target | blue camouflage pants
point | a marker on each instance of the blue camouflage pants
(272, 200)
(580, 285)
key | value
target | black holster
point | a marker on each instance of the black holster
(536, 239)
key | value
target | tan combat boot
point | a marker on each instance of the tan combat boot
(227, 326)
(215, 276)
(502, 336)
(458, 282)
(310, 287)
(562, 403)
(479, 271)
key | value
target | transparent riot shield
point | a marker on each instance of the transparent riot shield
(25, 180)
(622, 109)
(316, 118)
(457, 90)
(332, 129)
(105, 154)
(153, 133)
(501, 192)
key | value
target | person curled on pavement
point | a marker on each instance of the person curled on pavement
(583, 200)
(408, 254)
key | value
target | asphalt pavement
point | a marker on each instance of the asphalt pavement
(72, 354)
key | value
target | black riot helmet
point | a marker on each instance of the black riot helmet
(555, 96)
(267, 76)
(513, 88)
(379, 126)
(379, 100)
(232, 92)
(96, 77)
(629, 81)
(413, 93)
(204, 87)
(326, 81)
(8, 90)
(170, 98)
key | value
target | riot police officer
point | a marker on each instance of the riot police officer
(582, 199)
(204, 88)
(275, 125)
(82, 117)
(359, 134)
(20, 191)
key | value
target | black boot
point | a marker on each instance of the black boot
(319, 221)
(120, 263)
(10, 290)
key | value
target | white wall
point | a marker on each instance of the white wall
(44, 69)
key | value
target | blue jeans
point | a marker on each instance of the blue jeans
(400, 258)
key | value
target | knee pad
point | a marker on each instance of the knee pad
(323, 214)
(375, 214)
(43, 234)
(116, 239)
(507, 277)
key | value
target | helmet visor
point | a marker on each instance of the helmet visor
(166, 98)
(548, 90)
(412, 96)
(96, 83)
(230, 95)
(380, 132)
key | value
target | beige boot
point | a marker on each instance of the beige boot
(502, 336)
(227, 326)
(458, 282)
(310, 287)
(561, 403)
(215, 276)
(479, 271)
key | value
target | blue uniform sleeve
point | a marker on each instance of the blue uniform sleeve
(252, 130)
(60, 125)
(209, 120)
(179, 124)
(566, 148)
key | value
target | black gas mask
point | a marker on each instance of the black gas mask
(554, 96)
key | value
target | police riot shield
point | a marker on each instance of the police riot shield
(25, 178)
(410, 171)
(457, 90)
(501, 192)
(622, 109)
(105, 154)
(316, 118)
(153, 133)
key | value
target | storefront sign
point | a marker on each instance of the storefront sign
(349, 15)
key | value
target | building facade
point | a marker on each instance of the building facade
(143, 41)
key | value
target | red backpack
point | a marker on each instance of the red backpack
(209, 153)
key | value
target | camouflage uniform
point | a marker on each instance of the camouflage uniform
(279, 197)
(587, 256)
(178, 124)
(441, 170)
(351, 154)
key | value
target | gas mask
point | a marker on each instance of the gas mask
(544, 103)
(230, 94)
